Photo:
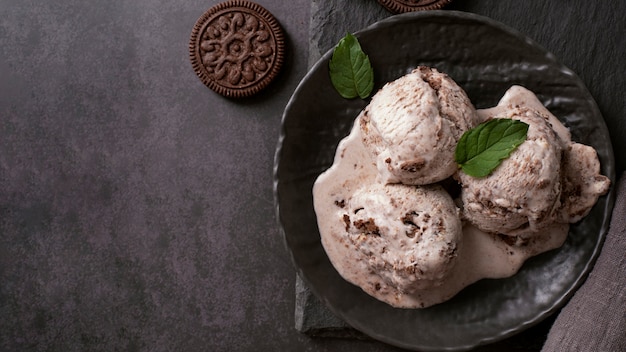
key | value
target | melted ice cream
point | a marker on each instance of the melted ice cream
(406, 245)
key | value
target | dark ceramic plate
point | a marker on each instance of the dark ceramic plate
(485, 58)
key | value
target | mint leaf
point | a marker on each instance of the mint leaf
(481, 149)
(350, 69)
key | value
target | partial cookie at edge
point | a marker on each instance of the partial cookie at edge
(400, 6)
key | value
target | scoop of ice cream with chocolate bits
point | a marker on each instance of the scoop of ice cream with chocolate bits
(410, 245)
(413, 124)
(407, 235)
(547, 179)
(521, 194)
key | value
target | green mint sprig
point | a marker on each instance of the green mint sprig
(481, 149)
(351, 72)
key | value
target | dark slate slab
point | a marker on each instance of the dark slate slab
(331, 19)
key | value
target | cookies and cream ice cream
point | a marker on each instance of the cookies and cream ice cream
(379, 260)
(413, 124)
(547, 179)
(408, 234)
(520, 195)
(400, 236)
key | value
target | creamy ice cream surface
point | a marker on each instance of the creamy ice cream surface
(522, 193)
(408, 234)
(547, 179)
(382, 259)
(397, 233)
(413, 124)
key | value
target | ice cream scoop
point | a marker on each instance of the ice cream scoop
(547, 179)
(408, 235)
(409, 245)
(413, 124)
(582, 182)
(521, 194)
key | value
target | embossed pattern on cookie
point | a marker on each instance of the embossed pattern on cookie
(237, 48)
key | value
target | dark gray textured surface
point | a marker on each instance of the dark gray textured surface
(136, 209)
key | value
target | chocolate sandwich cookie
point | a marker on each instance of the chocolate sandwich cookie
(237, 48)
(400, 6)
